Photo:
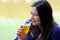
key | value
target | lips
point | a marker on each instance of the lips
(33, 21)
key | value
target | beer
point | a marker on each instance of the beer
(25, 29)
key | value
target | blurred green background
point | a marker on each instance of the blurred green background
(9, 27)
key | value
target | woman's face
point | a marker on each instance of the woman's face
(35, 17)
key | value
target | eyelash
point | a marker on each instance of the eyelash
(34, 14)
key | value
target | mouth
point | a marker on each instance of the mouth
(33, 21)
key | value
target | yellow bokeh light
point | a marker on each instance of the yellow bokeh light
(28, 1)
(21, 8)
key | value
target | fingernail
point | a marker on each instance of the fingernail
(21, 27)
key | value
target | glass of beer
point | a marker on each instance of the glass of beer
(25, 29)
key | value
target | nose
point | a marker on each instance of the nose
(32, 17)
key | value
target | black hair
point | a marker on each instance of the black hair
(45, 14)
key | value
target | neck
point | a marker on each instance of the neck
(41, 29)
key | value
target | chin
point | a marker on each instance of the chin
(34, 24)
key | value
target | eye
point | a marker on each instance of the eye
(35, 14)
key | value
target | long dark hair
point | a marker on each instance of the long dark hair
(45, 13)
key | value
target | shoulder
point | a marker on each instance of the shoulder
(56, 32)
(56, 27)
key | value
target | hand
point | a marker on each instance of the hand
(20, 34)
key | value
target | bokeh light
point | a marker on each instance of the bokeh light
(28, 1)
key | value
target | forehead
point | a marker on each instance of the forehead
(33, 10)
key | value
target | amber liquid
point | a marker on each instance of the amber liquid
(25, 29)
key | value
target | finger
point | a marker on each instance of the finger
(19, 32)
(21, 26)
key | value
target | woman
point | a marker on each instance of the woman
(43, 26)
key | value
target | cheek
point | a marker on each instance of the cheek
(37, 22)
